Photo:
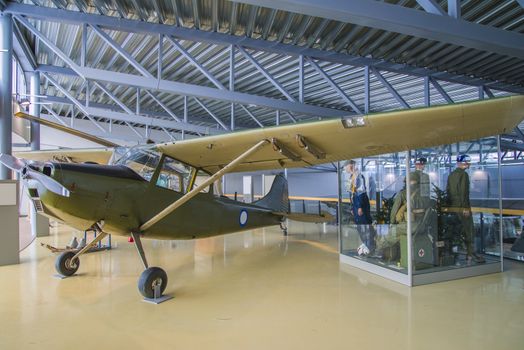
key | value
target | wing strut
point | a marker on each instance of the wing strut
(169, 209)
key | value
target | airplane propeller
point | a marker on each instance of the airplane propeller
(27, 172)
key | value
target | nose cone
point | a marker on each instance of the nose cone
(46, 176)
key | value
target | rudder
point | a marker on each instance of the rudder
(277, 199)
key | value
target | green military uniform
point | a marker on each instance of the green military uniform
(399, 218)
(424, 183)
(418, 202)
(458, 194)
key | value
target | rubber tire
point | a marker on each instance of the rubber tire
(147, 279)
(62, 264)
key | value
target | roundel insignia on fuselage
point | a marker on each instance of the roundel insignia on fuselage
(242, 218)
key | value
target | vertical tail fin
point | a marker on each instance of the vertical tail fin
(277, 198)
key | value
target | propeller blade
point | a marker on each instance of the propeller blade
(48, 182)
(11, 162)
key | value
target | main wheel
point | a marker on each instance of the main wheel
(150, 279)
(64, 264)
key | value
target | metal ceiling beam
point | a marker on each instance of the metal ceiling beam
(519, 132)
(22, 51)
(195, 63)
(152, 122)
(135, 26)
(404, 20)
(217, 119)
(70, 97)
(441, 90)
(454, 9)
(114, 98)
(390, 88)
(334, 86)
(47, 42)
(164, 107)
(152, 83)
(150, 119)
(431, 6)
(119, 49)
(266, 74)
(109, 134)
(252, 116)
(184, 89)
(507, 145)
(54, 115)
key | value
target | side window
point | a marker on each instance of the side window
(201, 177)
(174, 175)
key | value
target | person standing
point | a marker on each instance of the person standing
(458, 195)
(356, 186)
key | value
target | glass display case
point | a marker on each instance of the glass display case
(425, 215)
(369, 237)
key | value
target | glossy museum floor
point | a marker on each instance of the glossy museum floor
(252, 290)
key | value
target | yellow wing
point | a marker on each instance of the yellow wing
(352, 137)
(96, 155)
(66, 129)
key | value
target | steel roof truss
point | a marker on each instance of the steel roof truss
(130, 25)
(266, 74)
(334, 85)
(72, 99)
(431, 6)
(111, 42)
(389, 87)
(195, 63)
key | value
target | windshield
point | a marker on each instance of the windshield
(143, 160)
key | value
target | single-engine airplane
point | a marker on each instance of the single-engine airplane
(165, 191)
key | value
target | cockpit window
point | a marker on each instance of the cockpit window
(216, 186)
(174, 175)
(143, 160)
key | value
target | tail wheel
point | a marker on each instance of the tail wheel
(151, 279)
(65, 265)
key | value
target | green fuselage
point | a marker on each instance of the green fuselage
(124, 201)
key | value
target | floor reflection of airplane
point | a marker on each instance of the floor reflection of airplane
(165, 191)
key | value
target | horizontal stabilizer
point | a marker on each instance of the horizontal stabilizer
(324, 217)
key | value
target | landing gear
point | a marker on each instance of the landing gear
(283, 227)
(67, 263)
(153, 281)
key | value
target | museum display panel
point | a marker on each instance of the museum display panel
(441, 220)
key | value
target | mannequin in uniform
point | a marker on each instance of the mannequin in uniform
(356, 186)
(424, 182)
(458, 194)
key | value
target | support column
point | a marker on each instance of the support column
(367, 95)
(39, 223)
(8, 189)
(185, 117)
(6, 85)
(301, 78)
(34, 110)
(427, 92)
